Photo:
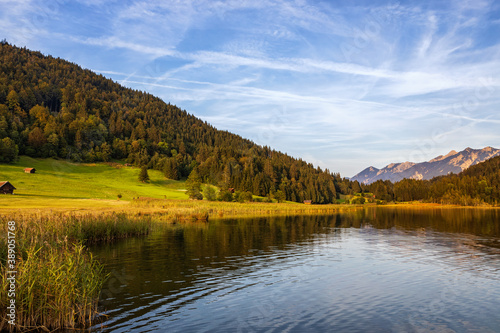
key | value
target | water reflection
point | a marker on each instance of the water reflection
(377, 269)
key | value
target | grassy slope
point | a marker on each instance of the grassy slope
(59, 183)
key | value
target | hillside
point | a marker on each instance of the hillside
(51, 108)
(62, 182)
(453, 162)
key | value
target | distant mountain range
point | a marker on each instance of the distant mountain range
(452, 162)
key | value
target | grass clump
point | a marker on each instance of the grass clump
(107, 227)
(58, 281)
(56, 287)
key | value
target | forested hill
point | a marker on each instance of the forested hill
(50, 107)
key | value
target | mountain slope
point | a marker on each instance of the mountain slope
(452, 162)
(50, 107)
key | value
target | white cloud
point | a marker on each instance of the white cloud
(114, 42)
(27, 20)
(351, 78)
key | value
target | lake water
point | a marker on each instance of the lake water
(372, 270)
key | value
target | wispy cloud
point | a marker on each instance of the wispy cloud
(114, 42)
(336, 84)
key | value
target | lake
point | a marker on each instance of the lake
(377, 269)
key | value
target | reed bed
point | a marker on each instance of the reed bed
(58, 282)
(56, 287)
(180, 209)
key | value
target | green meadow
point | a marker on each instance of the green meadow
(94, 188)
(60, 183)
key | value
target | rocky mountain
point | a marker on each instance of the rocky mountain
(452, 162)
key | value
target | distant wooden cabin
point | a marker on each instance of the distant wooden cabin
(29, 170)
(231, 190)
(6, 188)
(307, 202)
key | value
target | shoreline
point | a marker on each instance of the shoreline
(95, 205)
(49, 238)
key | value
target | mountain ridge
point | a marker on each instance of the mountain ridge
(453, 162)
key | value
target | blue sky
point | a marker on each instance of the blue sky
(341, 84)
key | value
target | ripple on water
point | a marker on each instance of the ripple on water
(345, 280)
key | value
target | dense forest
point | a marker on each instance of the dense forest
(50, 107)
(477, 185)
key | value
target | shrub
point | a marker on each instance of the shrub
(246, 196)
(209, 193)
(358, 201)
(225, 195)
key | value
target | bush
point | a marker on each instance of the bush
(225, 196)
(280, 196)
(196, 196)
(246, 196)
(209, 193)
(358, 201)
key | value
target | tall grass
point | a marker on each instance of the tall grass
(180, 209)
(58, 281)
(56, 286)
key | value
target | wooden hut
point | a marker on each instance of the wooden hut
(29, 170)
(6, 188)
(307, 202)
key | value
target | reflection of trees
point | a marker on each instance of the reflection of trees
(179, 252)
(175, 260)
(479, 222)
(181, 263)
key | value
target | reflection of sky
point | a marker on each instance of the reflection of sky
(349, 280)
(340, 85)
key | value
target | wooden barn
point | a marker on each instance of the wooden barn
(307, 202)
(29, 170)
(6, 188)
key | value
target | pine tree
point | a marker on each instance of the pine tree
(143, 175)
(193, 185)
(170, 169)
